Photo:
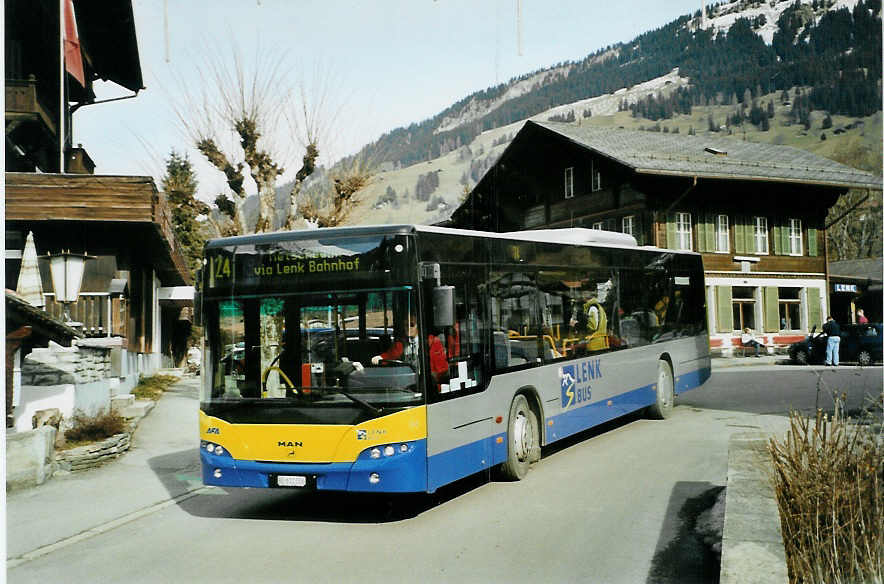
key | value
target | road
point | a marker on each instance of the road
(611, 505)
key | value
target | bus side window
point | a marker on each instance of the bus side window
(515, 319)
(636, 319)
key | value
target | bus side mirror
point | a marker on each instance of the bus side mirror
(443, 306)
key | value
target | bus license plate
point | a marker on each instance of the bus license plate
(291, 481)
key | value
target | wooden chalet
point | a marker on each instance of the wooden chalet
(756, 212)
(133, 290)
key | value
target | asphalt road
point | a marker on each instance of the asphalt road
(611, 505)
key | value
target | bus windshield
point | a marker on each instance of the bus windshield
(310, 331)
(336, 356)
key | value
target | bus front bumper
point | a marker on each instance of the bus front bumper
(403, 472)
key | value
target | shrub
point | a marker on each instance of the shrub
(92, 428)
(153, 387)
(829, 482)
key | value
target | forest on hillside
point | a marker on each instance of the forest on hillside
(838, 57)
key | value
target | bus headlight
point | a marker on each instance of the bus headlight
(374, 478)
(389, 451)
(403, 448)
(375, 453)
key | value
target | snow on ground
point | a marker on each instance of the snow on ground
(606, 105)
(478, 108)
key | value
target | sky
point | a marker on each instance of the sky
(386, 63)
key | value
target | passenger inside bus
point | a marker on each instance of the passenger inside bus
(404, 348)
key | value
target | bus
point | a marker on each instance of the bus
(312, 380)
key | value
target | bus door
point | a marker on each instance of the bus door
(459, 427)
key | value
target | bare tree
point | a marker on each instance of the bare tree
(253, 104)
(233, 99)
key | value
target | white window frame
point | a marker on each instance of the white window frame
(595, 176)
(795, 241)
(760, 236)
(599, 225)
(569, 182)
(722, 234)
(683, 233)
(627, 225)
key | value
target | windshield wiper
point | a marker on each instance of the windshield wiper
(375, 410)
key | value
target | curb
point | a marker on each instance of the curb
(752, 550)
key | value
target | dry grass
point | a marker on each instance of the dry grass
(87, 428)
(829, 481)
(153, 387)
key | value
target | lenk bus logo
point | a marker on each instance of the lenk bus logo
(575, 381)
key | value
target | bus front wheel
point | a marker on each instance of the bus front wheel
(662, 408)
(523, 440)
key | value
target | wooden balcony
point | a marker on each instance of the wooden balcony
(23, 104)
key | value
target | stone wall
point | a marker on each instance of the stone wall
(57, 365)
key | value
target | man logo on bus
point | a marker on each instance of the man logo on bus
(575, 381)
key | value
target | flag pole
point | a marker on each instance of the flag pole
(61, 96)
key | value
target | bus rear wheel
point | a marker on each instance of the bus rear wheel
(662, 408)
(523, 440)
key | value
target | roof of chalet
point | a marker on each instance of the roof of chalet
(107, 33)
(101, 211)
(19, 312)
(711, 157)
(864, 269)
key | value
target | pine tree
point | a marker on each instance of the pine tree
(179, 183)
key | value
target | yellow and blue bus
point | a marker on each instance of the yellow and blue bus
(314, 376)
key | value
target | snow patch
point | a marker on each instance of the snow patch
(728, 13)
(476, 108)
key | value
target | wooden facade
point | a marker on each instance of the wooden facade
(756, 213)
(121, 221)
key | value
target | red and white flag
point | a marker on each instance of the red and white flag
(73, 59)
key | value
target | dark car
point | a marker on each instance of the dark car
(859, 342)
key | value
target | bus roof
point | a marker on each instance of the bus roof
(570, 235)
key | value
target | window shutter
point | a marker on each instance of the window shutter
(812, 242)
(701, 233)
(710, 231)
(771, 309)
(638, 229)
(778, 247)
(741, 234)
(724, 309)
(671, 239)
(814, 317)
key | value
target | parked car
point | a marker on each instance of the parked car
(861, 343)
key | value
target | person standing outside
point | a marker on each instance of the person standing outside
(833, 343)
(861, 317)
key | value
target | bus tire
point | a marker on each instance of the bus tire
(523, 440)
(662, 408)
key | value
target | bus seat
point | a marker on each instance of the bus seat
(501, 349)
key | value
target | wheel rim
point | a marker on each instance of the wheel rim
(801, 357)
(522, 436)
(864, 358)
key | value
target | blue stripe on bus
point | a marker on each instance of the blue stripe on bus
(693, 379)
(454, 464)
(400, 473)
